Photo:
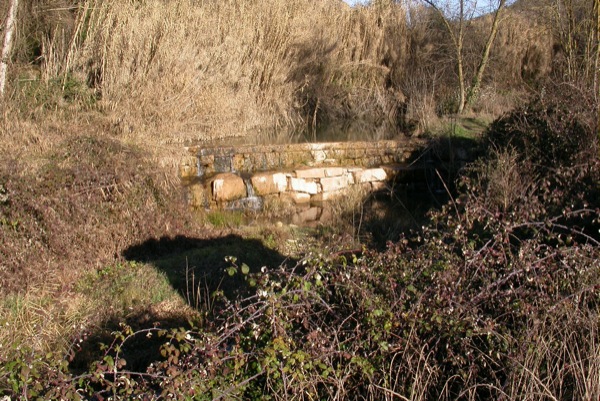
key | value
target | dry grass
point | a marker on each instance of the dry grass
(42, 322)
(563, 360)
(103, 94)
(194, 71)
(179, 71)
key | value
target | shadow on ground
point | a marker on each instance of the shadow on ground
(189, 262)
(196, 269)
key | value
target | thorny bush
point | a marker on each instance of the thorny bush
(496, 298)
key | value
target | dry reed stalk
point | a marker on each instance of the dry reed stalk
(204, 70)
(562, 360)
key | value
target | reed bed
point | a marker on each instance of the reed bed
(190, 70)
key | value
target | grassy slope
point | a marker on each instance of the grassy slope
(88, 174)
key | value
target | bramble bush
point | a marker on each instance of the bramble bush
(496, 298)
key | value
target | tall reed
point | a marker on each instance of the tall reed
(199, 70)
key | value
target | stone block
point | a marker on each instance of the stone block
(272, 160)
(355, 153)
(329, 184)
(370, 175)
(341, 155)
(207, 160)
(335, 171)
(310, 173)
(222, 164)
(372, 151)
(373, 161)
(259, 161)
(241, 163)
(269, 183)
(318, 156)
(302, 185)
(394, 169)
(377, 186)
(188, 167)
(227, 187)
(327, 196)
(306, 215)
(296, 158)
(295, 197)
(387, 158)
(198, 196)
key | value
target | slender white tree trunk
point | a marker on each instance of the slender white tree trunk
(466, 97)
(11, 22)
(485, 56)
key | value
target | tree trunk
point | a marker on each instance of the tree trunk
(476, 83)
(597, 67)
(461, 78)
(466, 97)
(597, 57)
(459, 62)
(457, 40)
(11, 22)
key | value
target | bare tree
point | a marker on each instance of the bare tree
(597, 57)
(9, 29)
(575, 27)
(456, 15)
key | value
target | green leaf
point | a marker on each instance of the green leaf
(245, 268)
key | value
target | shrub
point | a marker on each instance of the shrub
(496, 297)
(556, 131)
(57, 210)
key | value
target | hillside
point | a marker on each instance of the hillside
(110, 286)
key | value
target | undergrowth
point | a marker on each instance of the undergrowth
(495, 298)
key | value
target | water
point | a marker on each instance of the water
(339, 131)
(250, 202)
(355, 130)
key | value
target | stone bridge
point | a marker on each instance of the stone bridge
(256, 175)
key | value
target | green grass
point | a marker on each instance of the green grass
(463, 127)
(226, 219)
(127, 285)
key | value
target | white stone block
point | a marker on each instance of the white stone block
(227, 187)
(327, 196)
(310, 173)
(296, 197)
(370, 175)
(302, 185)
(329, 184)
(334, 171)
(269, 183)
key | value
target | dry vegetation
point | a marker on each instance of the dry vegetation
(94, 230)
(189, 71)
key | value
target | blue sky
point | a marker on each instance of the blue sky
(353, 2)
(482, 6)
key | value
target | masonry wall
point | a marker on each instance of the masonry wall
(230, 177)
(253, 158)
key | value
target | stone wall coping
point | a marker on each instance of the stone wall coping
(201, 150)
